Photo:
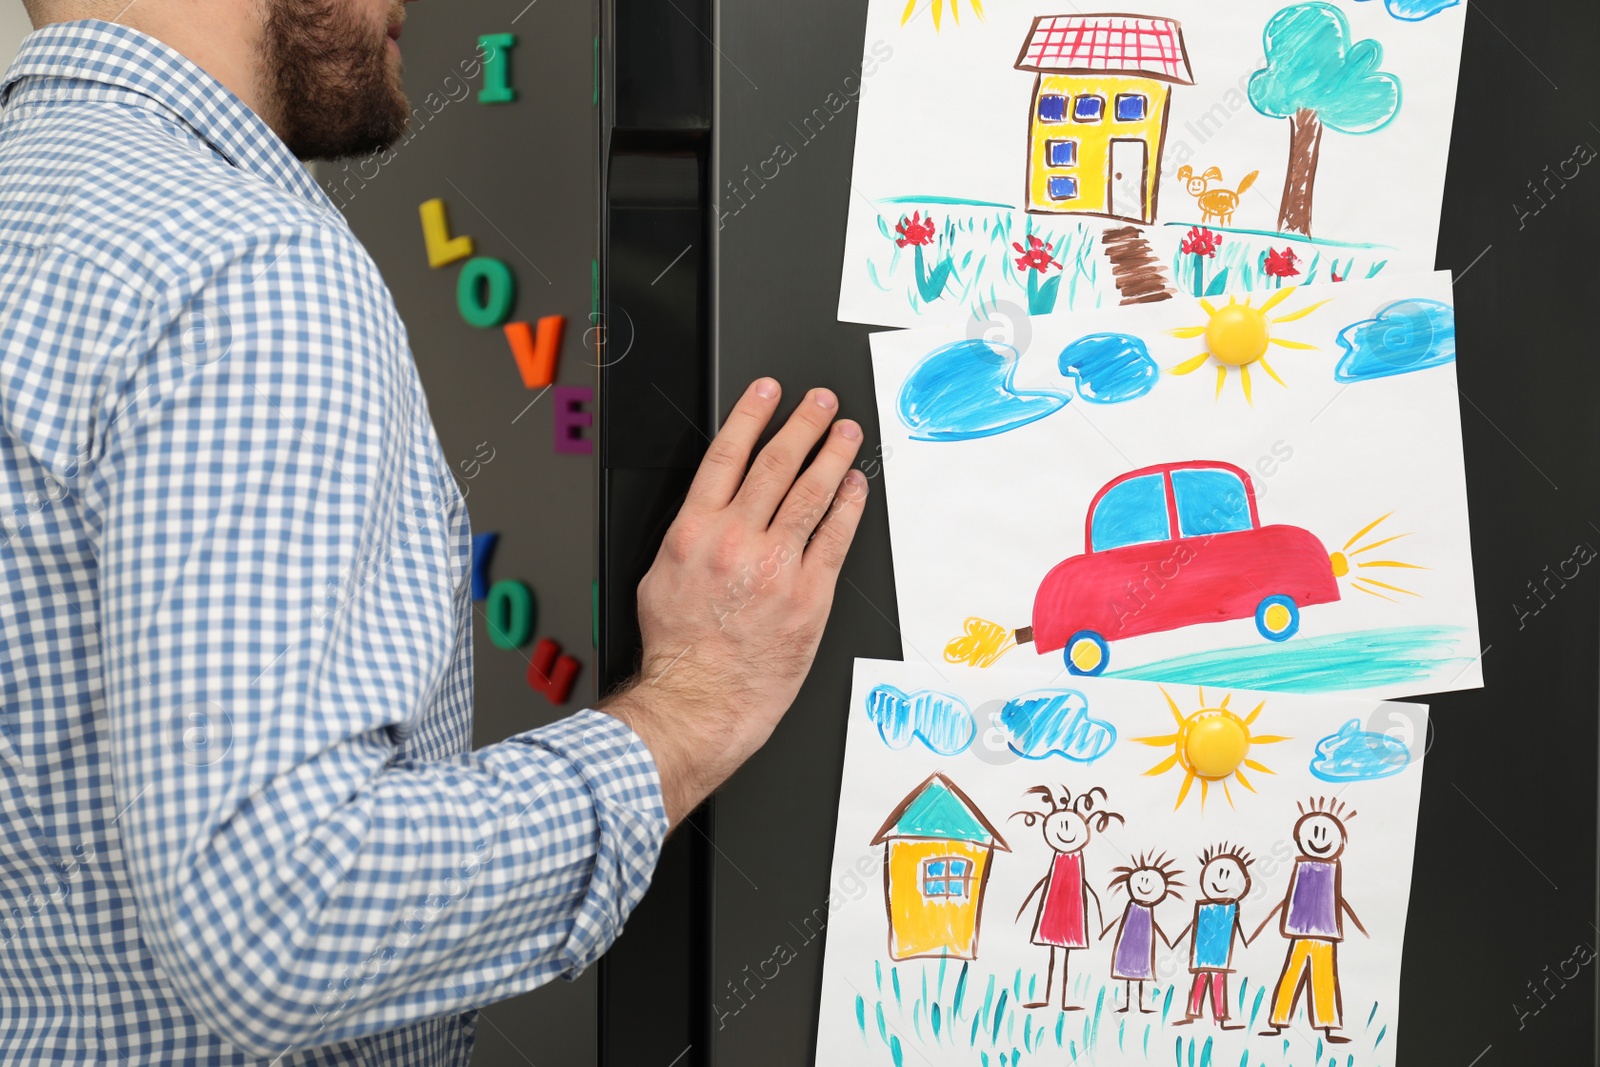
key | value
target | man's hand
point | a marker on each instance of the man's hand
(733, 607)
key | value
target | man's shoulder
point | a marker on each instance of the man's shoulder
(141, 197)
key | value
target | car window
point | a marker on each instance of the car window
(1133, 513)
(1210, 501)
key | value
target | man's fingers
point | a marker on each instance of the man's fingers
(812, 493)
(774, 470)
(725, 461)
(838, 529)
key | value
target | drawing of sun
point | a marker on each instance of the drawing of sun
(1238, 335)
(938, 11)
(1346, 563)
(1211, 744)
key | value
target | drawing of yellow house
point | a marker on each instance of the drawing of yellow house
(1100, 105)
(937, 847)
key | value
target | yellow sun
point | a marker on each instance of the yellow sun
(1344, 562)
(1238, 335)
(938, 10)
(1211, 744)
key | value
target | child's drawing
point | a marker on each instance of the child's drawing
(1138, 937)
(1196, 524)
(1238, 335)
(1224, 881)
(1148, 881)
(1318, 78)
(1213, 745)
(1046, 158)
(1217, 203)
(1075, 497)
(1061, 922)
(1099, 112)
(937, 847)
(1313, 912)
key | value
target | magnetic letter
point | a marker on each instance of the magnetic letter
(482, 549)
(490, 305)
(536, 352)
(497, 68)
(570, 419)
(443, 249)
(550, 672)
(510, 614)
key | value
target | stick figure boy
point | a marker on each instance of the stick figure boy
(1313, 911)
(1224, 881)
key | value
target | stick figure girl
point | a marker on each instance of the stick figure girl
(1149, 881)
(1063, 918)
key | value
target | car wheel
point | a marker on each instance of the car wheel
(1086, 653)
(1277, 618)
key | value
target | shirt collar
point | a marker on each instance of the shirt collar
(108, 54)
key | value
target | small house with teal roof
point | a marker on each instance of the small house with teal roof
(937, 847)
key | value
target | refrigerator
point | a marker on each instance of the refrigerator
(1503, 896)
(636, 172)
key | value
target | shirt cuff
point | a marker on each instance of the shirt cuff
(630, 818)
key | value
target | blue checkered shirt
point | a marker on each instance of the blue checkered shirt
(239, 818)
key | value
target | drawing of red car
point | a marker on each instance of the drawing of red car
(1174, 545)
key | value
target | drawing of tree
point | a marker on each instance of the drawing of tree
(1316, 77)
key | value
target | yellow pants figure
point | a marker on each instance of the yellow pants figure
(1316, 955)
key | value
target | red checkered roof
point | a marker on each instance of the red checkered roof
(1111, 44)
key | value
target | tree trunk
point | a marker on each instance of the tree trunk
(1305, 143)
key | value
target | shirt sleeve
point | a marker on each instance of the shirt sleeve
(283, 593)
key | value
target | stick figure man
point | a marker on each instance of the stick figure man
(1313, 920)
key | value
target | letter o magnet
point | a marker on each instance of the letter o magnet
(485, 292)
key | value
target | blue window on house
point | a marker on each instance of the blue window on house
(1061, 153)
(1133, 513)
(947, 876)
(1210, 501)
(1131, 107)
(1052, 107)
(1061, 188)
(1088, 108)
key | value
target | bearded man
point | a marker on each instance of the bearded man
(242, 821)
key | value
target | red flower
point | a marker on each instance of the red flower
(1280, 264)
(1201, 241)
(1335, 275)
(915, 230)
(1036, 256)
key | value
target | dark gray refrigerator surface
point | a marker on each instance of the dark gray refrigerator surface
(1504, 889)
(702, 288)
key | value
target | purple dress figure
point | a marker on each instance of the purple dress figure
(1148, 882)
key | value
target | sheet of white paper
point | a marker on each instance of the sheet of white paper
(1172, 128)
(896, 988)
(1350, 570)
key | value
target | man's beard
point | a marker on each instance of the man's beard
(331, 82)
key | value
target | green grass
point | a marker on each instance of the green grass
(952, 1005)
(984, 276)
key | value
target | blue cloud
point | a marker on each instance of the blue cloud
(964, 390)
(1417, 10)
(942, 722)
(1354, 755)
(1109, 367)
(1055, 722)
(1405, 336)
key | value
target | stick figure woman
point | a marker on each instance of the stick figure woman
(1063, 918)
(1148, 881)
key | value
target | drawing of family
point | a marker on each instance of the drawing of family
(1310, 913)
